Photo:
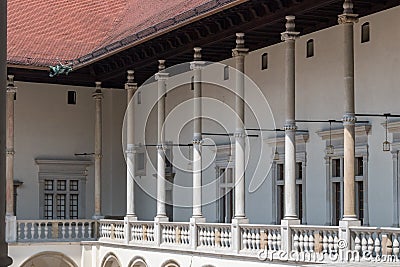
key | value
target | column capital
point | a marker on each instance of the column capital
(197, 63)
(98, 156)
(11, 88)
(240, 50)
(347, 18)
(239, 134)
(97, 95)
(349, 118)
(10, 152)
(130, 83)
(290, 33)
(197, 141)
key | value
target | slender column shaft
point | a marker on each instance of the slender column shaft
(289, 37)
(130, 87)
(98, 97)
(347, 19)
(4, 259)
(239, 54)
(10, 146)
(196, 65)
(161, 76)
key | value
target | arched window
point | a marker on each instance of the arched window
(365, 32)
(192, 83)
(226, 73)
(310, 48)
(264, 61)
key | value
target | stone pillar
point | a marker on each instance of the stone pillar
(4, 259)
(347, 20)
(131, 88)
(161, 77)
(11, 90)
(239, 54)
(98, 97)
(290, 217)
(289, 37)
(11, 220)
(196, 66)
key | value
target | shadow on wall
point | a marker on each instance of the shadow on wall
(49, 259)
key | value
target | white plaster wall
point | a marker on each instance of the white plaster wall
(47, 127)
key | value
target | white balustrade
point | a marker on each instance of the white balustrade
(142, 232)
(214, 235)
(111, 230)
(318, 239)
(260, 237)
(55, 230)
(376, 242)
(175, 233)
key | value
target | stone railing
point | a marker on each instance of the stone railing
(56, 230)
(173, 233)
(141, 232)
(216, 235)
(256, 237)
(306, 238)
(372, 243)
(112, 230)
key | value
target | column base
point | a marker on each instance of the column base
(350, 218)
(5, 261)
(161, 218)
(98, 217)
(197, 219)
(131, 218)
(11, 228)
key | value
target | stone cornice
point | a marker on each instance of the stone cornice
(280, 140)
(362, 130)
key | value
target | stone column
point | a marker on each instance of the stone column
(4, 259)
(161, 77)
(347, 20)
(196, 66)
(130, 87)
(239, 54)
(290, 217)
(98, 97)
(11, 90)
(289, 37)
(11, 220)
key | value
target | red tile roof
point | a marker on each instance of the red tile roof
(42, 31)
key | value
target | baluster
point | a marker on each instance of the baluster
(330, 242)
(325, 242)
(173, 235)
(32, 230)
(40, 230)
(396, 246)
(90, 235)
(305, 241)
(271, 246)
(70, 230)
(253, 240)
(77, 229)
(244, 238)
(25, 230)
(296, 243)
(258, 240)
(370, 243)
(357, 242)
(364, 243)
(278, 240)
(377, 245)
(19, 231)
(311, 241)
(335, 242)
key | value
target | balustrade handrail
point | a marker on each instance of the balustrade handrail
(314, 227)
(55, 220)
(214, 224)
(373, 229)
(175, 223)
(268, 226)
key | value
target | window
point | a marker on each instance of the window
(139, 98)
(60, 199)
(365, 32)
(226, 73)
(226, 185)
(192, 83)
(62, 186)
(140, 161)
(280, 189)
(264, 61)
(71, 97)
(310, 48)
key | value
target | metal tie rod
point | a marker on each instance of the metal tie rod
(228, 134)
(330, 121)
(378, 115)
(273, 130)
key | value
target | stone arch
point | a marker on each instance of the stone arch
(137, 262)
(49, 259)
(110, 260)
(170, 263)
